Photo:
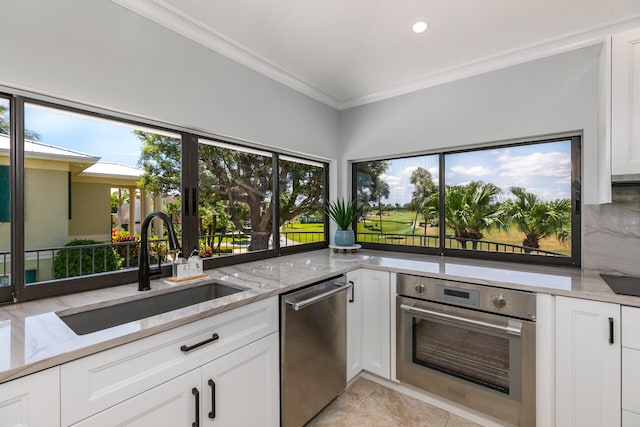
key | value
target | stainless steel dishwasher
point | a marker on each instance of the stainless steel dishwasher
(313, 340)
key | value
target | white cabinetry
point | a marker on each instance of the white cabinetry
(172, 403)
(625, 103)
(243, 387)
(138, 381)
(354, 325)
(31, 401)
(630, 366)
(376, 322)
(587, 363)
(369, 323)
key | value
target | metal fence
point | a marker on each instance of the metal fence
(431, 241)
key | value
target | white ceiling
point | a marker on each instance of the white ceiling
(350, 52)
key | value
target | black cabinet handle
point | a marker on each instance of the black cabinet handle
(212, 384)
(194, 202)
(186, 201)
(196, 395)
(353, 291)
(610, 330)
(187, 348)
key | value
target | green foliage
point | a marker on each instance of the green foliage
(537, 218)
(472, 208)
(85, 260)
(423, 188)
(133, 250)
(343, 213)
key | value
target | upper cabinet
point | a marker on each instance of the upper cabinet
(625, 105)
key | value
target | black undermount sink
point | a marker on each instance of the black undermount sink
(89, 321)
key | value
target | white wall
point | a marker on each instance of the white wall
(99, 53)
(550, 95)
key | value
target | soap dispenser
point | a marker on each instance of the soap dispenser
(195, 264)
(180, 267)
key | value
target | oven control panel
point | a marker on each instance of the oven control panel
(505, 301)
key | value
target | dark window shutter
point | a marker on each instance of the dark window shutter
(5, 194)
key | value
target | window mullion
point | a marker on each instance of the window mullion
(441, 198)
(17, 198)
(275, 223)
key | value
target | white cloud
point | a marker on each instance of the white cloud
(535, 164)
(472, 170)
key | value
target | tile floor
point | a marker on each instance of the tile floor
(366, 403)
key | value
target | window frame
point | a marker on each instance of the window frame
(576, 179)
(19, 291)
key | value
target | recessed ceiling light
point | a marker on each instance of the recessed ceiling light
(420, 27)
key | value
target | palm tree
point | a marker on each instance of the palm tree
(423, 187)
(537, 218)
(471, 209)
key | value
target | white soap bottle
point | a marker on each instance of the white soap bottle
(195, 264)
(180, 267)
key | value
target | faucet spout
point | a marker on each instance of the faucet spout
(144, 269)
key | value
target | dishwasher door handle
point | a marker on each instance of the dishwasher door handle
(340, 286)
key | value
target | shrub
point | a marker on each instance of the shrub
(123, 236)
(83, 261)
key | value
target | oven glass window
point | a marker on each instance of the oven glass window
(478, 357)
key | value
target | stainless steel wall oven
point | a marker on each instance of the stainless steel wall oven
(472, 344)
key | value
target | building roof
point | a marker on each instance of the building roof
(85, 165)
(106, 170)
(39, 150)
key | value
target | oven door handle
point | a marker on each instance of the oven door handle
(509, 329)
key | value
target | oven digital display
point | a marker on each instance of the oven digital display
(458, 296)
(456, 293)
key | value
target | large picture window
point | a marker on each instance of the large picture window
(513, 202)
(90, 179)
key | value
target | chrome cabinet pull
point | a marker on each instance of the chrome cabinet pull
(511, 330)
(187, 348)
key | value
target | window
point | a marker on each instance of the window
(399, 199)
(302, 201)
(510, 202)
(90, 180)
(236, 209)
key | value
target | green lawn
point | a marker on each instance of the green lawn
(399, 222)
(303, 233)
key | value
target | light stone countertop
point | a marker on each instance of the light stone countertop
(33, 338)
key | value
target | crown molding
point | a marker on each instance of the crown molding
(175, 20)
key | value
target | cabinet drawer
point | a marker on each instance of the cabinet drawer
(631, 327)
(31, 401)
(631, 379)
(170, 404)
(94, 383)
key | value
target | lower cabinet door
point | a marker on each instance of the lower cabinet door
(175, 403)
(242, 388)
(31, 401)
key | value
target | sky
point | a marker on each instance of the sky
(111, 141)
(543, 169)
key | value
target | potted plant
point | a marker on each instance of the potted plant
(344, 214)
